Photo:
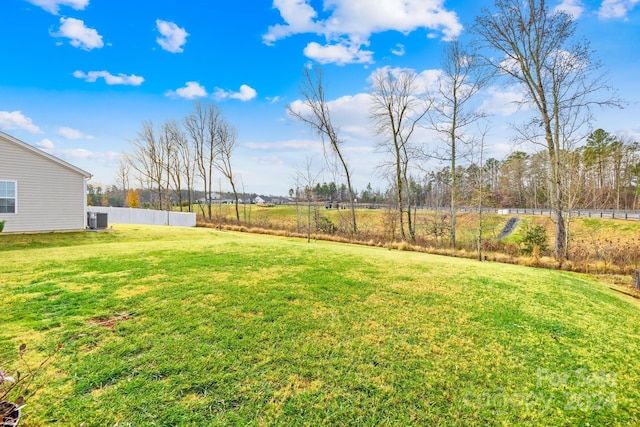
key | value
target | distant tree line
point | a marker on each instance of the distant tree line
(604, 174)
(112, 195)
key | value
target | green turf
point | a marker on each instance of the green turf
(221, 328)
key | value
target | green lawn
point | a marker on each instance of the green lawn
(221, 328)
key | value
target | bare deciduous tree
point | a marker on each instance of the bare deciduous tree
(395, 112)
(202, 127)
(122, 176)
(452, 112)
(148, 159)
(308, 179)
(538, 52)
(318, 117)
(225, 144)
(176, 142)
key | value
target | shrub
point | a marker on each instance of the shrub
(16, 389)
(535, 241)
(325, 225)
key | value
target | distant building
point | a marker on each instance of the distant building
(38, 191)
(262, 200)
(213, 198)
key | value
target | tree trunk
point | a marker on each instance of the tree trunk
(454, 185)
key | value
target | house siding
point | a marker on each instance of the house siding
(50, 195)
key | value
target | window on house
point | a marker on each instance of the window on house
(7, 197)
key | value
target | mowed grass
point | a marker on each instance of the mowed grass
(172, 326)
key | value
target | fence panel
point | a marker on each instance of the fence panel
(146, 216)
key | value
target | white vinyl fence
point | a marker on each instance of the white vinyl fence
(145, 216)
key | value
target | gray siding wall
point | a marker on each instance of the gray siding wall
(51, 197)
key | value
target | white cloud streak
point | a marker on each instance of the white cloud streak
(15, 120)
(503, 102)
(70, 133)
(78, 153)
(246, 93)
(46, 145)
(348, 24)
(53, 6)
(79, 34)
(398, 50)
(172, 38)
(575, 8)
(110, 79)
(296, 145)
(192, 90)
(616, 8)
(338, 53)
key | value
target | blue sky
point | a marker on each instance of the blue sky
(79, 77)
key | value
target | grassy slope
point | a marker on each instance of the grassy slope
(236, 329)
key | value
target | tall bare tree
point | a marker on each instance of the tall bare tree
(122, 176)
(395, 111)
(538, 51)
(225, 144)
(308, 179)
(149, 160)
(186, 160)
(318, 117)
(202, 127)
(452, 111)
(176, 142)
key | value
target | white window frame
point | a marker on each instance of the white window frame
(15, 197)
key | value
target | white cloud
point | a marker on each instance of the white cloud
(303, 145)
(110, 79)
(298, 16)
(172, 37)
(503, 102)
(398, 50)
(78, 153)
(616, 8)
(10, 120)
(349, 114)
(575, 8)
(337, 53)
(348, 24)
(53, 6)
(46, 145)
(192, 90)
(424, 81)
(246, 93)
(70, 133)
(80, 35)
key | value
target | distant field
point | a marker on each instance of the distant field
(171, 326)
